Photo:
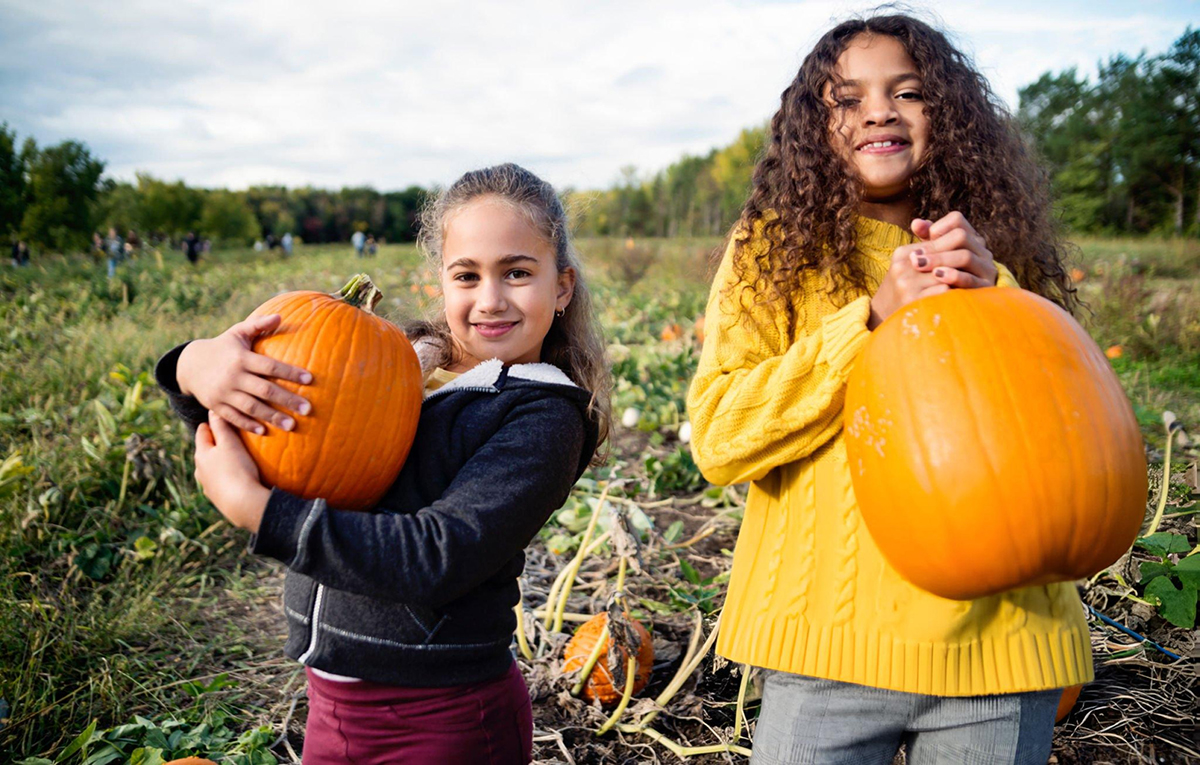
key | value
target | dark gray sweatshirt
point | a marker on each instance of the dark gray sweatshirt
(421, 591)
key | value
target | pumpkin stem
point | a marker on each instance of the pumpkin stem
(361, 292)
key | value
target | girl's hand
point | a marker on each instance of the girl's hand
(903, 284)
(954, 253)
(228, 475)
(227, 377)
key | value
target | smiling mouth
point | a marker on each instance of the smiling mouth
(495, 329)
(886, 146)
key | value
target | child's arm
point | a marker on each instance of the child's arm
(757, 402)
(496, 504)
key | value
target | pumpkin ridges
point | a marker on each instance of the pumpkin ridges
(337, 479)
(1013, 419)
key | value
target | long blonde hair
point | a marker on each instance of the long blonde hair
(574, 343)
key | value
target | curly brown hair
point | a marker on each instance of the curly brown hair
(807, 196)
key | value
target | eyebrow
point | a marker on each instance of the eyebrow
(893, 81)
(505, 260)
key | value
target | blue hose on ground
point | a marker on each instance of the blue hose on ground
(1131, 633)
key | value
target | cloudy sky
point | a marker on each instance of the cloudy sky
(391, 92)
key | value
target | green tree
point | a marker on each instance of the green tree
(227, 218)
(63, 183)
(118, 206)
(170, 209)
(12, 182)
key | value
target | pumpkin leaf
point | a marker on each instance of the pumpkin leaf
(689, 573)
(1188, 571)
(1151, 569)
(657, 606)
(673, 531)
(1164, 542)
(1178, 606)
(81, 741)
(147, 755)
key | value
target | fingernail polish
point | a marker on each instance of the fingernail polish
(922, 262)
(260, 430)
(939, 273)
(306, 378)
(919, 251)
(289, 423)
(305, 408)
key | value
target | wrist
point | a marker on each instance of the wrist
(181, 369)
(256, 498)
(874, 319)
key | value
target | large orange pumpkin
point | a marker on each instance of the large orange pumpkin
(366, 397)
(600, 683)
(991, 446)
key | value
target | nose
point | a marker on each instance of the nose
(491, 297)
(879, 110)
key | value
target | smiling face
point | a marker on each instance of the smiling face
(879, 122)
(500, 283)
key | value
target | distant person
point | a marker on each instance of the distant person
(359, 240)
(191, 247)
(133, 241)
(372, 247)
(20, 254)
(286, 242)
(115, 247)
(271, 242)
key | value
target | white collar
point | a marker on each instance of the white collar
(486, 373)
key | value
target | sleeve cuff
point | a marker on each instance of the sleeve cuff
(282, 523)
(165, 370)
(187, 407)
(1005, 277)
(844, 333)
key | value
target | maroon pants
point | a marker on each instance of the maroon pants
(489, 723)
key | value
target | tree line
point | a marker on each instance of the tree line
(1122, 150)
(56, 197)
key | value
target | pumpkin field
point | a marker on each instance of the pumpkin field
(136, 628)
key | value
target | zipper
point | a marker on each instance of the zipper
(316, 616)
(476, 388)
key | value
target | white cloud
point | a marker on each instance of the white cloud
(393, 93)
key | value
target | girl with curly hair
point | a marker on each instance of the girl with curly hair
(892, 173)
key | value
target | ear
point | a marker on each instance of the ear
(566, 288)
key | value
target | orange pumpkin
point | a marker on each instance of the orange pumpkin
(700, 329)
(600, 683)
(671, 332)
(991, 446)
(191, 761)
(1077, 275)
(365, 395)
(1067, 702)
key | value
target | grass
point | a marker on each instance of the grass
(123, 593)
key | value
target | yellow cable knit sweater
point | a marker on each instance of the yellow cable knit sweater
(810, 592)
